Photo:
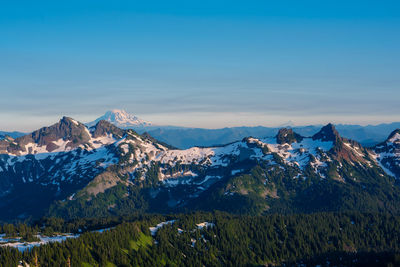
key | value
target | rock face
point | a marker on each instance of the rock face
(117, 171)
(394, 137)
(327, 133)
(388, 154)
(343, 148)
(103, 128)
(288, 136)
(67, 133)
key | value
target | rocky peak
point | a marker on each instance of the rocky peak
(67, 129)
(286, 135)
(327, 133)
(103, 128)
(343, 148)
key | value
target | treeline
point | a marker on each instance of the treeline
(49, 226)
(346, 239)
(26, 232)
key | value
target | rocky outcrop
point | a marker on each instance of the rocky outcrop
(287, 136)
(103, 128)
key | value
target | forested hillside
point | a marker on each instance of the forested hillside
(220, 239)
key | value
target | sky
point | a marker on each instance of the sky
(208, 64)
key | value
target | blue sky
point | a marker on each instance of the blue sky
(200, 63)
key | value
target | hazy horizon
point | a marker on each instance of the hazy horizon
(47, 121)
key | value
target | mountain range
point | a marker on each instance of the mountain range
(184, 137)
(73, 170)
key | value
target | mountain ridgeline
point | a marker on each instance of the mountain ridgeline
(183, 137)
(71, 170)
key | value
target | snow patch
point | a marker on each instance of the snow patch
(204, 224)
(153, 230)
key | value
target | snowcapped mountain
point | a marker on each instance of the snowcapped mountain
(121, 118)
(69, 169)
(53, 162)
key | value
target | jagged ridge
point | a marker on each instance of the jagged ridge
(96, 160)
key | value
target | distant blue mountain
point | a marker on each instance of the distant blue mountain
(367, 135)
(182, 137)
(11, 134)
(189, 137)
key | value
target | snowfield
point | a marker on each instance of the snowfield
(140, 154)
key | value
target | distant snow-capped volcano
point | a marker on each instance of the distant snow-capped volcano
(120, 118)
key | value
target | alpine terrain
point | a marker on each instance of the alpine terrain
(72, 170)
